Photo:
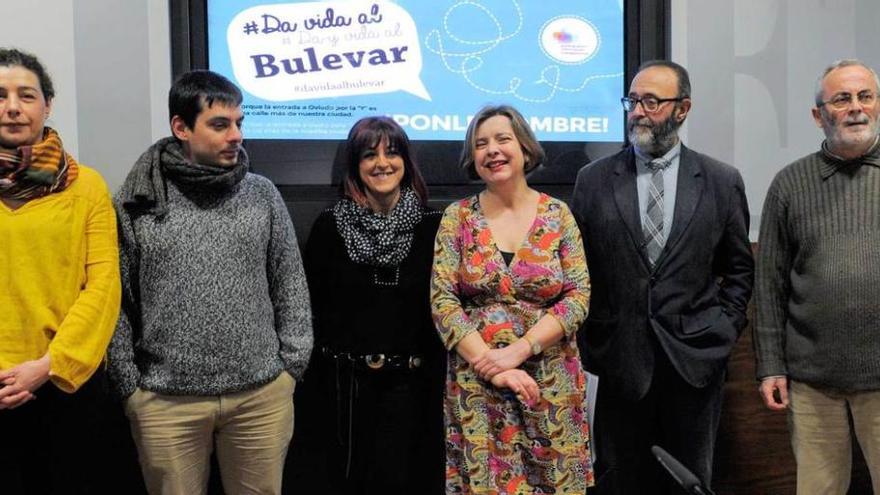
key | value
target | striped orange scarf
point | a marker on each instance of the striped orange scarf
(29, 172)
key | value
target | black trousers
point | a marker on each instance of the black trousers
(61, 443)
(361, 432)
(681, 419)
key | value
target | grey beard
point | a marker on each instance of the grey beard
(657, 140)
(838, 141)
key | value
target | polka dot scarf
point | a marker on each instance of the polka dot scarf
(374, 239)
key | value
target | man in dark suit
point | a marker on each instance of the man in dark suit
(666, 236)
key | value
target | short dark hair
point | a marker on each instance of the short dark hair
(532, 150)
(196, 90)
(11, 57)
(368, 133)
(684, 80)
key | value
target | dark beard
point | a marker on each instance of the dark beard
(660, 137)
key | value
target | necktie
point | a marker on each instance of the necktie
(653, 224)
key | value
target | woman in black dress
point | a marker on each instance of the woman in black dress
(369, 410)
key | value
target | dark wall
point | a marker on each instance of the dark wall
(753, 451)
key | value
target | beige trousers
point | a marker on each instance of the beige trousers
(822, 441)
(250, 430)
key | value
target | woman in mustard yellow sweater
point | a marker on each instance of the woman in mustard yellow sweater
(59, 289)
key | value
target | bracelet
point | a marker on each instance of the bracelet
(535, 347)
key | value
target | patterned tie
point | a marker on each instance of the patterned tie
(653, 226)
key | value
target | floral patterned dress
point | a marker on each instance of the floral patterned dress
(494, 443)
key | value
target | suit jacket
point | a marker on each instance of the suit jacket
(692, 303)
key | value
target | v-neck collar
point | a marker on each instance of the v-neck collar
(33, 203)
(484, 225)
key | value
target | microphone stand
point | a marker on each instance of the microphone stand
(682, 475)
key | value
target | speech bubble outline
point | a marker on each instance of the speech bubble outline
(301, 51)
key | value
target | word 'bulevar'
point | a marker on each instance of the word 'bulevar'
(265, 64)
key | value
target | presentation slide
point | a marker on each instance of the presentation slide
(309, 70)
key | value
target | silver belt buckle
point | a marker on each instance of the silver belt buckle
(375, 361)
(415, 362)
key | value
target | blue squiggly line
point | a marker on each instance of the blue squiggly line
(472, 61)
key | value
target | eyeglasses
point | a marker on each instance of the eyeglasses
(651, 104)
(842, 101)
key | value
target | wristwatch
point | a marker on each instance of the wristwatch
(534, 344)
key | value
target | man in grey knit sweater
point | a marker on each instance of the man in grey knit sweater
(817, 332)
(215, 326)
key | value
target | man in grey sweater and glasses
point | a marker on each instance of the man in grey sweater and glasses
(215, 325)
(817, 332)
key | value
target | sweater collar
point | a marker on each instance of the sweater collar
(831, 163)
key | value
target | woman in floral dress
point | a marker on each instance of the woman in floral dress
(509, 289)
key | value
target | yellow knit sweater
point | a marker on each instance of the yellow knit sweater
(59, 280)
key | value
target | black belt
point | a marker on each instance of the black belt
(375, 362)
(346, 401)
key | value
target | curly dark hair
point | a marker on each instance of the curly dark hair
(12, 57)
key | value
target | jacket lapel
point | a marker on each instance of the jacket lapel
(626, 197)
(688, 191)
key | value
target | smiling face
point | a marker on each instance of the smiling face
(23, 108)
(216, 137)
(498, 154)
(850, 131)
(381, 170)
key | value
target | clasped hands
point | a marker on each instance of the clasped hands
(18, 384)
(499, 366)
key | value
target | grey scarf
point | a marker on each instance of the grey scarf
(145, 188)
